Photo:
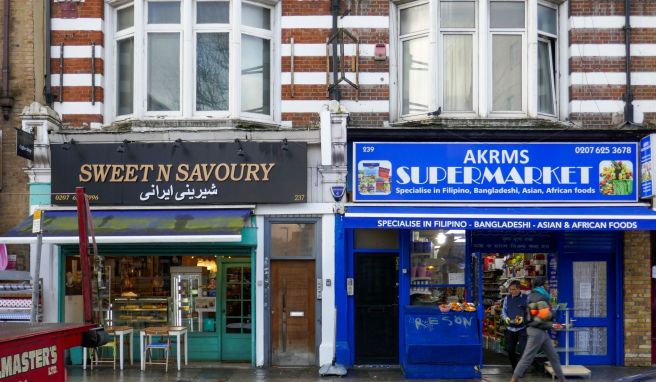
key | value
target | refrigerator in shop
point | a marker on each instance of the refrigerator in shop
(186, 283)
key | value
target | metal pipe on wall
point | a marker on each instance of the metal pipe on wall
(335, 13)
(6, 101)
(48, 75)
(628, 97)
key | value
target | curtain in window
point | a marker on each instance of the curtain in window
(458, 76)
(545, 79)
(506, 72)
(163, 71)
(255, 75)
(212, 71)
(416, 79)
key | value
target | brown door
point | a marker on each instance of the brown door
(292, 313)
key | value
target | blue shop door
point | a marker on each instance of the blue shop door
(587, 282)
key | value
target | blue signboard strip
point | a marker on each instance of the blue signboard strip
(554, 172)
(501, 218)
(646, 189)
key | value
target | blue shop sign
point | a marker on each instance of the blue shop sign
(646, 167)
(517, 172)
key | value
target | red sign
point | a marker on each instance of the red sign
(36, 359)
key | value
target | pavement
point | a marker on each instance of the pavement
(206, 372)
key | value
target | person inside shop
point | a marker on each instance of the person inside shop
(513, 313)
(539, 322)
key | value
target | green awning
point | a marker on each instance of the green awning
(138, 226)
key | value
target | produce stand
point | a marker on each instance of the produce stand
(35, 352)
(441, 345)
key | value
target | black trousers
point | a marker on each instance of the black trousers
(513, 339)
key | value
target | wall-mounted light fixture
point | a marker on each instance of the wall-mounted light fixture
(67, 145)
(177, 144)
(122, 146)
(285, 145)
(240, 149)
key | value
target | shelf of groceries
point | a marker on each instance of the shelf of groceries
(499, 269)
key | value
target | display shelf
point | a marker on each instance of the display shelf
(140, 312)
(413, 279)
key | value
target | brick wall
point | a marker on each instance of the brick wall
(637, 298)
(14, 199)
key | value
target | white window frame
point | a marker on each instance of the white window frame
(553, 48)
(157, 29)
(441, 59)
(188, 30)
(482, 80)
(508, 32)
(212, 28)
(119, 36)
(266, 35)
(399, 57)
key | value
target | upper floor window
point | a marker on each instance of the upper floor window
(472, 58)
(200, 58)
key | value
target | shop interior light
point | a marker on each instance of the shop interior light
(455, 232)
(441, 238)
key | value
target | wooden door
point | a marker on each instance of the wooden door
(293, 313)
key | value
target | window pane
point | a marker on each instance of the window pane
(163, 71)
(547, 19)
(545, 79)
(212, 63)
(458, 73)
(590, 292)
(416, 79)
(292, 239)
(506, 73)
(414, 19)
(457, 15)
(124, 18)
(256, 17)
(365, 238)
(255, 75)
(593, 340)
(125, 75)
(212, 12)
(506, 14)
(163, 12)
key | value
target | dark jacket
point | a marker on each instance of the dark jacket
(538, 302)
(513, 307)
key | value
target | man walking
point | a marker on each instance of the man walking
(539, 323)
(513, 314)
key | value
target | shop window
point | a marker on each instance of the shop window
(147, 291)
(440, 68)
(375, 239)
(192, 41)
(438, 267)
(293, 239)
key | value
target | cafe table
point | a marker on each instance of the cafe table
(120, 332)
(178, 332)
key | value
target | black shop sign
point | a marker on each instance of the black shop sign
(182, 173)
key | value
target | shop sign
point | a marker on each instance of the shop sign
(24, 144)
(494, 172)
(647, 158)
(184, 173)
(31, 361)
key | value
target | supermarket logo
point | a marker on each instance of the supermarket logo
(616, 177)
(375, 177)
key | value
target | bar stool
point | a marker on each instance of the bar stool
(157, 338)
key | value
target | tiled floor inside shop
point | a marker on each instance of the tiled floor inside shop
(238, 373)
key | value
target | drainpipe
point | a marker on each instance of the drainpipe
(628, 96)
(47, 92)
(335, 13)
(6, 102)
